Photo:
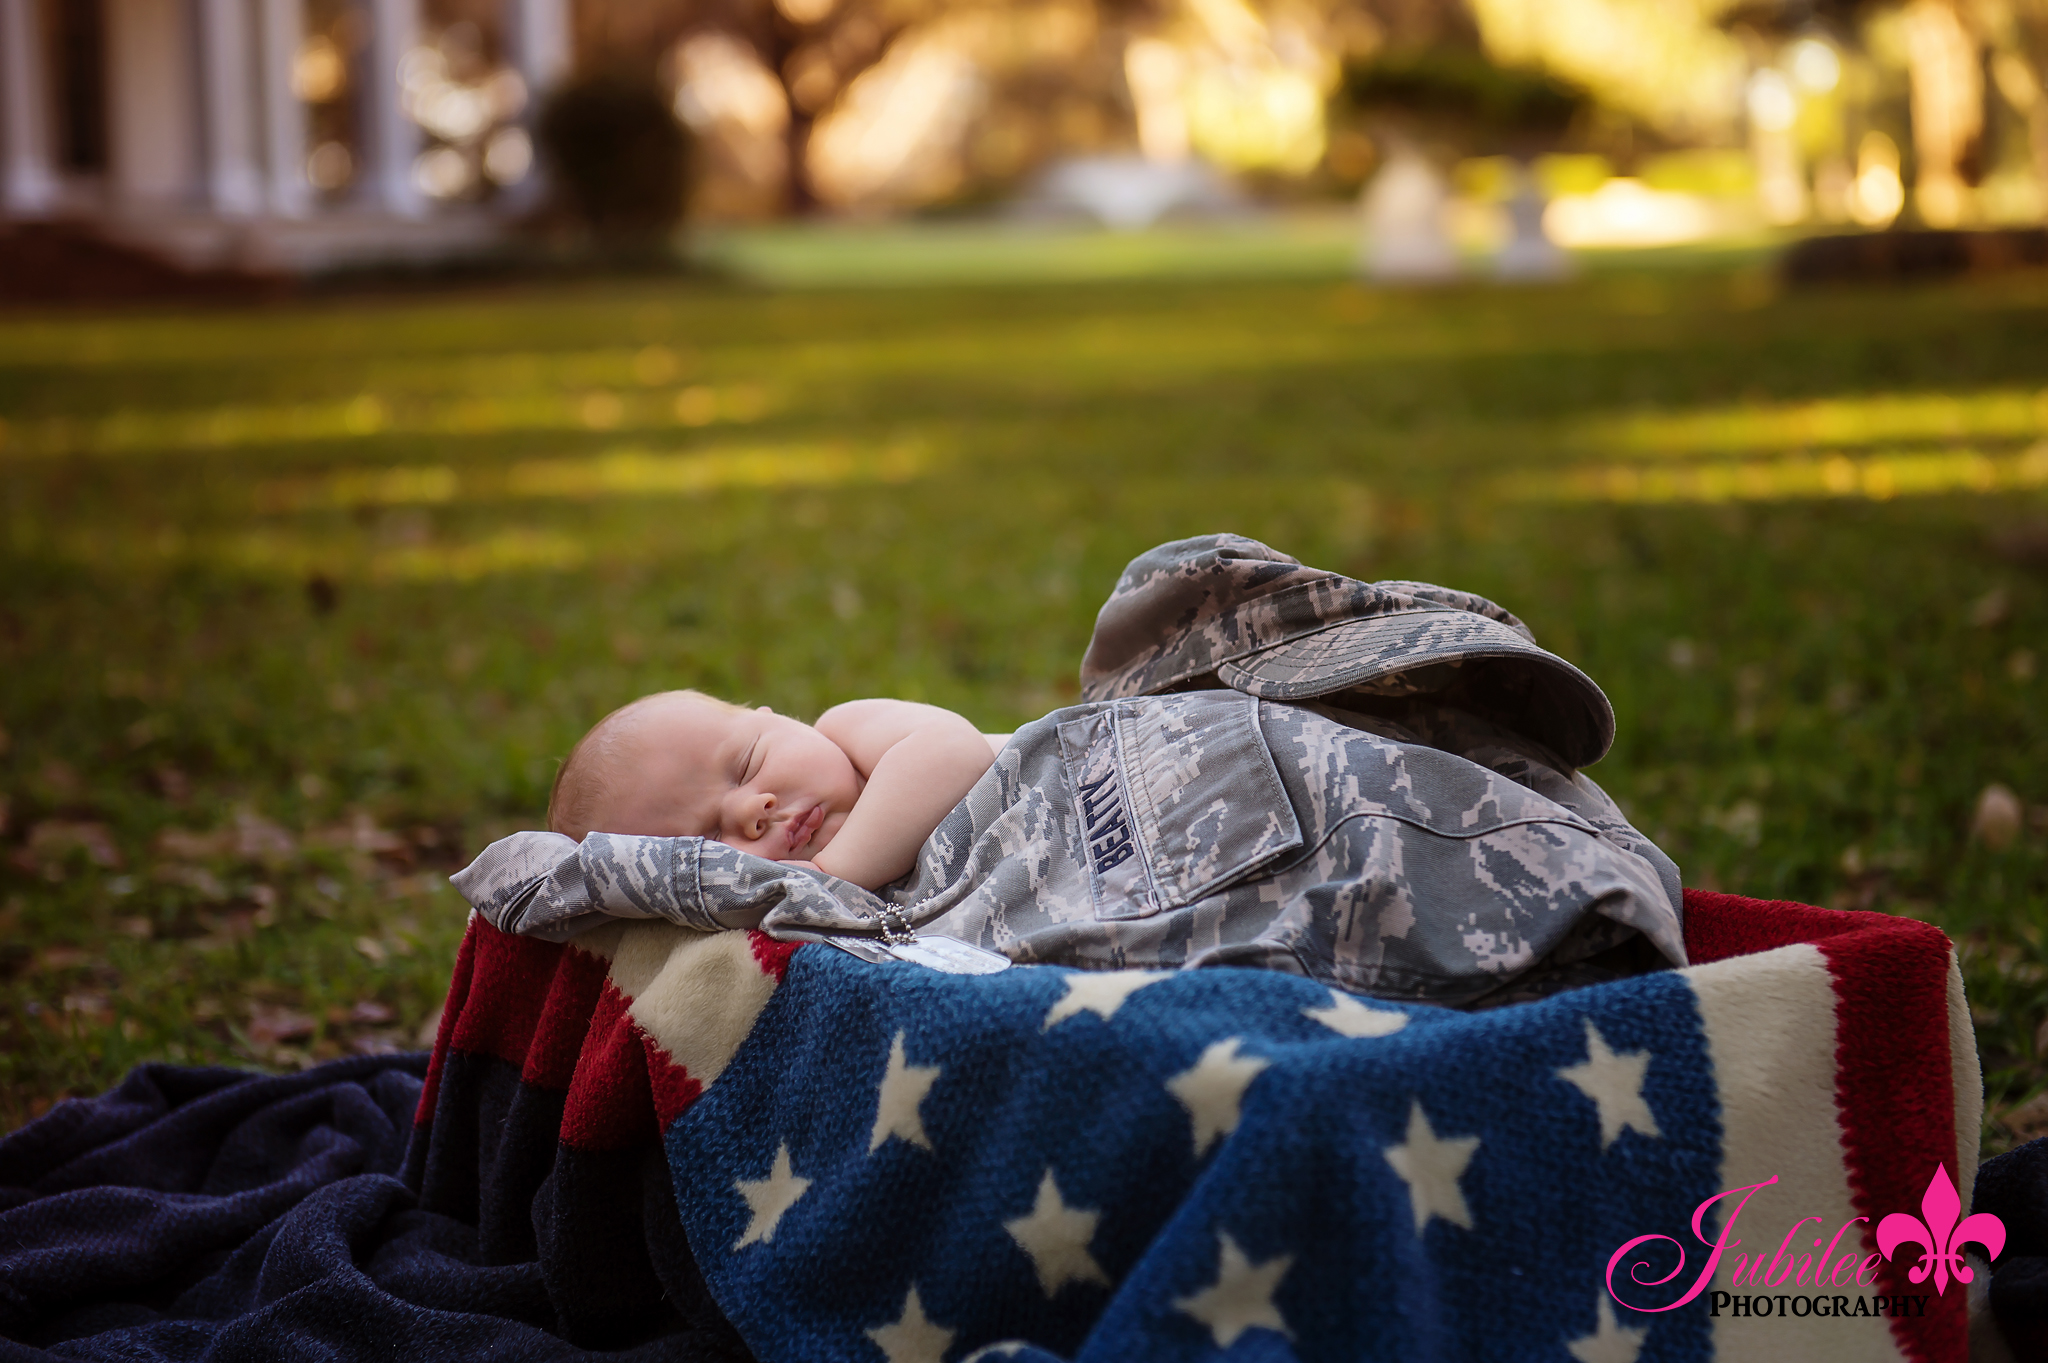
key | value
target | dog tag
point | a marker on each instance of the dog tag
(948, 954)
(951, 955)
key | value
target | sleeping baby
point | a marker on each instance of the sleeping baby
(854, 795)
(1374, 784)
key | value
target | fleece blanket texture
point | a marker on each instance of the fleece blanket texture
(214, 1214)
(658, 1143)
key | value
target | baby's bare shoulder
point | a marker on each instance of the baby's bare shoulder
(867, 728)
(881, 711)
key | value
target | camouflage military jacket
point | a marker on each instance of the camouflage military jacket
(1436, 858)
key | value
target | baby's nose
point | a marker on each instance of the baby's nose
(755, 812)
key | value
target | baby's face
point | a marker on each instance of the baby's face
(752, 779)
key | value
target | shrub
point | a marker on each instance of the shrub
(619, 160)
(1461, 95)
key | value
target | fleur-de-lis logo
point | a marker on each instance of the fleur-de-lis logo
(1939, 1234)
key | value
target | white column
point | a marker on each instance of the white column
(28, 185)
(538, 42)
(284, 116)
(153, 106)
(234, 184)
(537, 32)
(390, 138)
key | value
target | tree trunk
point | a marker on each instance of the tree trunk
(1944, 65)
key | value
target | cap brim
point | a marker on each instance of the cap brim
(1534, 690)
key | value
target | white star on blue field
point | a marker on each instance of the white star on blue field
(1115, 1167)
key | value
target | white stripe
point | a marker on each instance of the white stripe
(1969, 1080)
(696, 993)
(1770, 1026)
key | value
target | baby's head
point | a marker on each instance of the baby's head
(682, 764)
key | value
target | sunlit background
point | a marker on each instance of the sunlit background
(304, 133)
(388, 388)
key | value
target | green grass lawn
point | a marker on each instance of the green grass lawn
(300, 605)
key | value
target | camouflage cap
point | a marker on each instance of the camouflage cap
(1252, 618)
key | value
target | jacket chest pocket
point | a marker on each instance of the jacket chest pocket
(1174, 797)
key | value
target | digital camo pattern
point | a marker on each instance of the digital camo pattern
(549, 885)
(1193, 829)
(1232, 609)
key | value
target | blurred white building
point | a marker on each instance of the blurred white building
(278, 134)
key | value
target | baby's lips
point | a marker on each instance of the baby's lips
(804, 828)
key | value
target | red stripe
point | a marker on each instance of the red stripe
(772, 956)
(565, 1019)
(549, 1009)
(610, 1104)
(674, 1088)
(506, 996)
(1894, 1089)
(451, 1009)
(1894, 1085)
(1718, 926)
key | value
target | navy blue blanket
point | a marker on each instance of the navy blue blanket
(212, 1214)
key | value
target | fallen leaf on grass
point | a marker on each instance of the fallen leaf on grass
(269, 1026)
(1996, 821)
(61, 779)
(88, 1007)
(186, 844)
(363, 1013)
(50, 840)
(1992, 609)
(251, 837)
(63, 958)
(197, 879)
(372, 950)
(359, 834)
(258, 839)
(226, 929)
(2029, 1119)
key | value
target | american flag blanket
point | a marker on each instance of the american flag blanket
(1756, 1157)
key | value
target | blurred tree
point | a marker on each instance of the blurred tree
(629, 36)
(1946, 47)
(811, 48)
(2020, 66)
(970, 96)
(1665, 64)
(1456, 95)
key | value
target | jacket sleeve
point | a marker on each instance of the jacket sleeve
(550, 886)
